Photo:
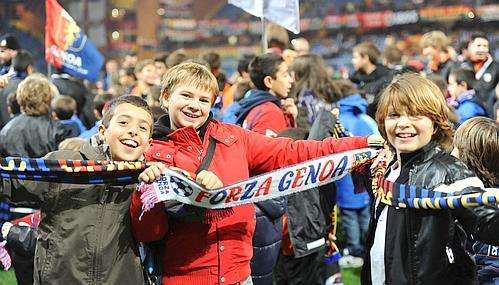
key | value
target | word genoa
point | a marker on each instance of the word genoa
(270, 185)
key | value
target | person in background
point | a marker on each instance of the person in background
(354, 208)
(147, 76)
(267, 109)
(33, 133)
(22, 66)
(99, 102)
(301, 46)
(127, 80)
(392, 58)
(486, 69)
(74, 87)
(64, 110)
(160, 64)
(461, 88)
(313, 89)
(369, 75)
(8, 49)
(13, 107)
(435, 47)
(175, 58)
(476, 143)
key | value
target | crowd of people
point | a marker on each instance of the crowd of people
(282, 107)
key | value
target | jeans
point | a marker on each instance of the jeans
(355, 222)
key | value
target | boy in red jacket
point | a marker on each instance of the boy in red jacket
(212, 246)
(267, 109)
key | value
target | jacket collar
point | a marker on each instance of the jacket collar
(213, 128)
(421, 155)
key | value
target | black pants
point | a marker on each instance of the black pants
(310, 269)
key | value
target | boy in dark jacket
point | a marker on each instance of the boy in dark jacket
(84, 236)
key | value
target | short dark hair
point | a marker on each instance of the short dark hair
(479, 35)
(22, 60)
(161, 58)
(126, 99)
(262, 66)
(243, 63)
(12, 103)
(64, 107)
(213, 59)
(392, 55)
(100, 101)
(465, 75)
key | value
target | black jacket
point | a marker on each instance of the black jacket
(84, 236)
(308, 211)
(371, 85)
(4, 93)
(267, 239)
(486, 84)
(425, 246)
(31, 136)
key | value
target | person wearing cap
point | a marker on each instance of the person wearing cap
(8, 49)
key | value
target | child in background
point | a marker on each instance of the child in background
(64, 109)
(99, 102)
(212, 246)
(461, 88)
(476, 143)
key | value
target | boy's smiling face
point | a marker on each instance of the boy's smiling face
(188, 106)
(129, 132)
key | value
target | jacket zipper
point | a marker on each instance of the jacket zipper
(410, 236)
(95, 270)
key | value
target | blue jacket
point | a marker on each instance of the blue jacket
(354, 118)
(468, 106)
(267, 239)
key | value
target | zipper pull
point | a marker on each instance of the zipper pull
(450, 255)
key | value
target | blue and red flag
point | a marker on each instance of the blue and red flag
(67, 47)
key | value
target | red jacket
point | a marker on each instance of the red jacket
(268, 119)
(220, 252)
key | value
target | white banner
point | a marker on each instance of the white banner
(293, 179)
(285, 13)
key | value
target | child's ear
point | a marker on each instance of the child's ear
(267, 81)
(102, 131)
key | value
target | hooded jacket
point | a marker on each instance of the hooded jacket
(355, 120)
(261, 112)
(84, 236)
(218, 252)
(468, 106)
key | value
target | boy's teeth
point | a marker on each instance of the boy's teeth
(130, 143)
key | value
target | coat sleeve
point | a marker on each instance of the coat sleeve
(265, 154)
(154, 223)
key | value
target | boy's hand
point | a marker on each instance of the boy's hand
(152, 173)
(289, 107)
(208, 180)
(375, 141)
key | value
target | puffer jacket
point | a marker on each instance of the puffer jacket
(218, 252)
(84, 236)
(426, 246)
(267, 239)
(31, 136)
